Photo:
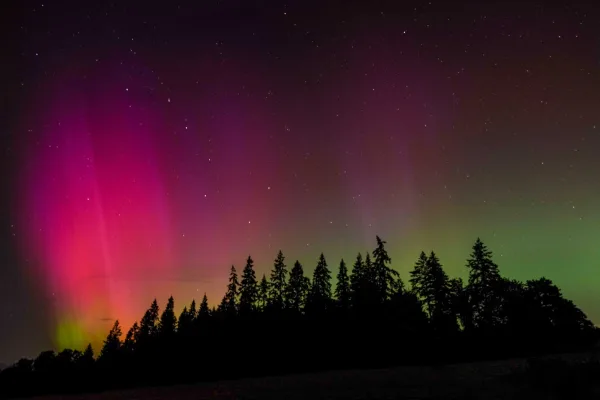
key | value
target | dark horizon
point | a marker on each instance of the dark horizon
(370, 318)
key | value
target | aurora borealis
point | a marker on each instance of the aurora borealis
(153, 147)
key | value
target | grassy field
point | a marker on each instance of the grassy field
(484, 380)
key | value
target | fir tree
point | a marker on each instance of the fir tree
(297, 288)
(132, 333)
(442, 315)
(112, 343)
(384, 277)
(229, 304)
(263, 293)
(320, 291)
(248, 288)
(192, 312)
(88, 353)
(204, 311)
(278, 283)
(342, 287)
(86, 361)
(483, 271)
(484, 287)
(184, 322)
(419, 283)
(357, 282)
(149, 324)
(168, 321)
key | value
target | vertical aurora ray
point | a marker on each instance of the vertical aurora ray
(96, 220)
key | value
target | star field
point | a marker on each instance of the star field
(153, 146)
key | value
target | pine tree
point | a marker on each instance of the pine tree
(384, 277)
(263, 293)
(484, 287)
(442, 315)
(132, 333)
(86, 361)
(204, 311)
(459, 302)
(369, 287)
(482, 270)
(192, 312)
(278, 283)
(112, 343)
(342, 288)
(168, 321)
(297, 288)
(184, 322)
(89, 352)
(319, 297)
(248, 288)
(149, 324)
(357, 282)
(419, 283)
(229, 303)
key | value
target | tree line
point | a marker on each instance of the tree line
(288, 322)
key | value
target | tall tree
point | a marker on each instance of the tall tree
(86, 361)
(231, 296)
(431, 283)
(149, 324)
(357, 282)
(342, 287)
(112, 343)
(248, 288)
(184, 322)
(132, 333)
(278, 282)
(442, 316)
(419, 283)
(297, 288)
(168, 321)
(204, 311)
(263, 293)
(484, 287)
(319, 297)
(384, 277)
(193, 313)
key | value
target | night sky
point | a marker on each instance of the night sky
(147, 148)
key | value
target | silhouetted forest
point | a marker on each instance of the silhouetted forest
(287, 322)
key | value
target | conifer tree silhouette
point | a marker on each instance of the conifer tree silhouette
(358, 283)
(384, 277)
(168, 322)
(230, 301)
(263, 293)
(278, 283)
(342, 287)
(132, 333)
(203, 311)
(499, 317)
(112, 344)
(184, 322)
(248, 289)
(442, 316)
(484, 287)
(420, 284)
(87, 358)
(297, 288)
(192, 312)
(149, 325)
(319, 298)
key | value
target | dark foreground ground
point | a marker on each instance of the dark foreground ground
(484, 380)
